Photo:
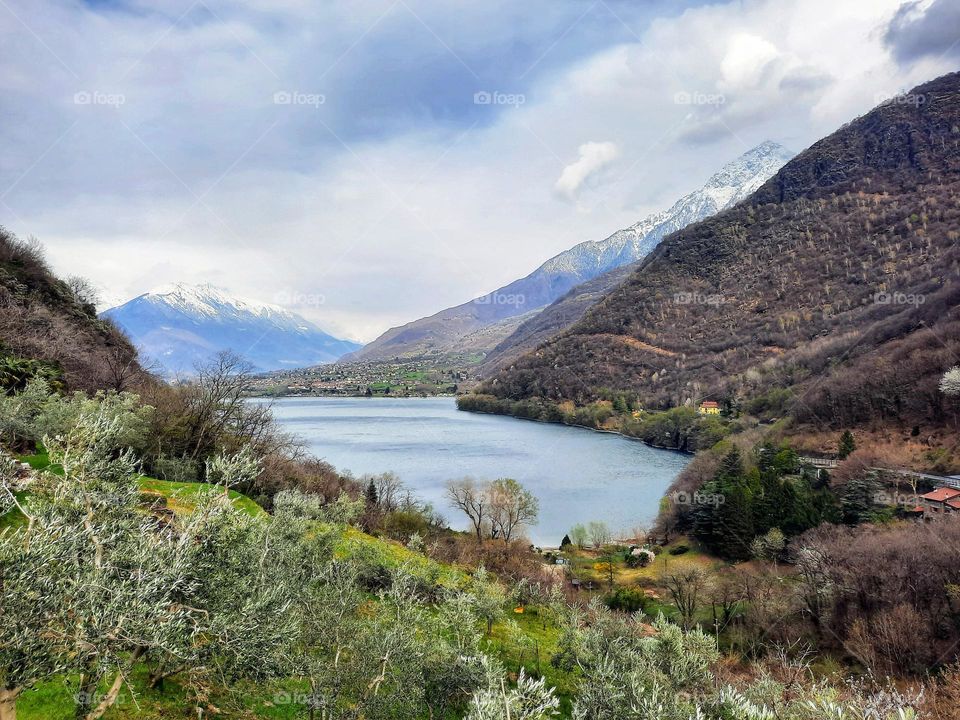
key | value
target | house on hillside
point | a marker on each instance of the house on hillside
(709, 407)
(942, 500)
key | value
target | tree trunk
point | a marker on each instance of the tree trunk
(108, 699)
(86, 695)
(8, 704)
(111, 695)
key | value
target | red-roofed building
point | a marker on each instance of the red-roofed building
(941, 500)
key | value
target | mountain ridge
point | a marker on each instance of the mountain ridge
(835, 283)
(440, 332)
(178, 326)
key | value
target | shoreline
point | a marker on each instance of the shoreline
(691, 453)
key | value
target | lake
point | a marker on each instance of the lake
(578, 475)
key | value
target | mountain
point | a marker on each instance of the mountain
(50, 329)
(551, 320)
(832, 291)
(442, 332)
(179, 326)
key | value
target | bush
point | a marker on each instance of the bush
(625, 599)
(640, 558)
(679, 549)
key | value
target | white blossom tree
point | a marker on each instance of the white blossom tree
(950, 382)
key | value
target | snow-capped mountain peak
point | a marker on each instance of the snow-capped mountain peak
(180, 325)
(734, 182)
(211, 300)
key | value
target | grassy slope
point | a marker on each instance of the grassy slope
(181, 496)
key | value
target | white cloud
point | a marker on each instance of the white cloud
(746, 59)
(394, 226)
(594, 157)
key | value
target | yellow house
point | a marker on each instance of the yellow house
(709, 407)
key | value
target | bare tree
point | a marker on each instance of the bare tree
(215, 402)
(686, 588)
(122, 367)
(83, 290)
(390, 491)
(599, 533)
(473, 499)
(511, 507)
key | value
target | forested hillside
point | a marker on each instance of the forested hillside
(832, 291)
(553, 319)
(49, 328)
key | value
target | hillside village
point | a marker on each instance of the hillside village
(408, 378)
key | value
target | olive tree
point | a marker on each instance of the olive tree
(32, 591)
(127, 571)
(529, 700)
(91, 584)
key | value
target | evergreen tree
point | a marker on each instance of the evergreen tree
(846, 446)
(731, 467)
(565, 542)
(857, 500)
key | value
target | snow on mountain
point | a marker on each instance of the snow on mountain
(731, 184)
(179, 326)
(441, 333)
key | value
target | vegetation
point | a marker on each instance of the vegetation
(836, 296)
(217, 606)
(679, 428)
(499, 509)
(49, 328)
(739, 506)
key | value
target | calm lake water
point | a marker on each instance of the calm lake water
(578, 475)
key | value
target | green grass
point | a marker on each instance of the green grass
(391, 554)
(182, 496)
(532, 649)
(54, 700)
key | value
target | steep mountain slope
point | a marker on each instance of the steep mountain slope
(42, 319)
(837, 279)
(441, 333)
(553, 319)
(178, 327)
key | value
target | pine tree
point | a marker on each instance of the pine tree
(846, 446)
(731, 466)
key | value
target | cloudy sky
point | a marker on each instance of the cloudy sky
(369, 162)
